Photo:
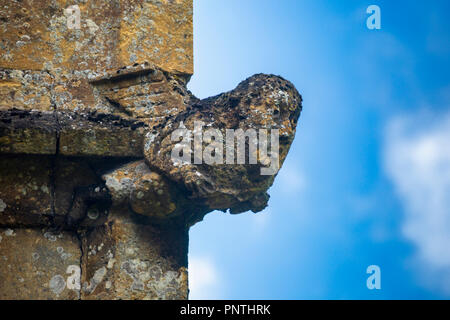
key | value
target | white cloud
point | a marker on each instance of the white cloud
(417, 159)
(204, 280)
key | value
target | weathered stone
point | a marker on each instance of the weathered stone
(41, 38)
(143, 92)
(128, 260)
(70, 134)
(28, 132)
(100, 135)
(260, 102)
(38, 33)
(25, 191)
(146, 192)
(39, 264)
(78, 194)
(25, 90)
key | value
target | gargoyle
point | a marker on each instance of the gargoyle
(163, 188)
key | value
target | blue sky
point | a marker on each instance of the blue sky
(367, 179)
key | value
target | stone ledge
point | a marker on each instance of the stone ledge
(69, 134)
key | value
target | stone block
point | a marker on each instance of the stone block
(129, 260)
(39, 264)
(25, 190)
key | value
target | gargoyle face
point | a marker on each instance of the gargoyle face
(227, 163)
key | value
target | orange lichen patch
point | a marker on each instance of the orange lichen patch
(36, 35)
(24, 30)
(111, 34)
(28, 90)
(170, 43)
(9, 84)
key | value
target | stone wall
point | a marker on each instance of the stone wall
(54, 81)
